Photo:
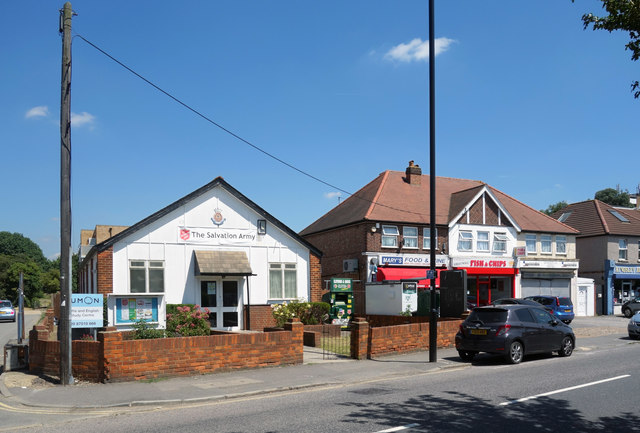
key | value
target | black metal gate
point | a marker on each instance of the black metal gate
(336, 341)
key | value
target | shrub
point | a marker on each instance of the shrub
(142, 330)
(188, 322)
(309, 313)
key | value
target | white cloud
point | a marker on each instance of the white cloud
(82, 119)
(330, 195)
(39, 111)
(417, 50)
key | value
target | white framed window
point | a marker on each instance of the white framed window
(426, 238)
(531, 243)
(146, 276)
(622, 249)
(500, 242)
(482, 243)
(465, 241)
(561, 244)
(410, 237)
(390, 236)
(545, 244)
(283, 281)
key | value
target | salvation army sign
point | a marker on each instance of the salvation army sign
(216, 236)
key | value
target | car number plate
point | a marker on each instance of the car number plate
(567, 311)
(478, 332)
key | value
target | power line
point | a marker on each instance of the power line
(233, 134)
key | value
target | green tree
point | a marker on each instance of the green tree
(553, 208)
(614, 197)
(32, 281)
(622, 15)
(17, 245)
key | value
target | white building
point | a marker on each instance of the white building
(214, 248)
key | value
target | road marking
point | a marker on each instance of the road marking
(389, 430)
(506, 403)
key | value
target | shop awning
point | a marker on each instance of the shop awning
(232, 263)
(395, 274)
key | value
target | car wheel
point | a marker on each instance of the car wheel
(566, 349)
(467, 355)
(627, 312)
(515, 353)
(633, 336)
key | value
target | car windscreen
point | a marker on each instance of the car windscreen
(496, 315)
(543, 301)
(565, 301)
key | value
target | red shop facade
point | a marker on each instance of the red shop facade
(488, 279)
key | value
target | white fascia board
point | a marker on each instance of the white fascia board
(484, 189)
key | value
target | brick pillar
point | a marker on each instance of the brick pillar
(359, 338)
(112, 353)
(296, 328)
(105, 271)
(315, 276)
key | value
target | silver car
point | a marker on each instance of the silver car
(634, 326)
(6, 311)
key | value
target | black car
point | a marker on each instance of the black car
(631, 307)
(513, 331)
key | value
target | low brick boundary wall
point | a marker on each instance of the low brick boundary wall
(113, 358)
(369, 342)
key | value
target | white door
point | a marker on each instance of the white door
(581, 308)
(222, 297)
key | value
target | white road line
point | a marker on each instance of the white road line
(389, 430)
(506, 403)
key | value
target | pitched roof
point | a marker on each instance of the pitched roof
(217, 182)
(390, 198)
(594, 218)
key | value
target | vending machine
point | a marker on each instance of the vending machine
(341, 300)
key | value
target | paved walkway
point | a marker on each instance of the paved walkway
(21, 388)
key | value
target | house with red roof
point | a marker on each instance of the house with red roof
(382, 233)
(608, 248)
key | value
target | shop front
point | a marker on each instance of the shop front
(623, 281)
(488, 279)
(555, 278)
(395, 267)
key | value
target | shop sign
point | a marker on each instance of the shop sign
(341, 285)
(520, 251)
(216, 236)
(412, 260)
(626, 269)
(86, 310)
(490, 262)
(547, 264)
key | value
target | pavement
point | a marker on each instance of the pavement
(21, 388)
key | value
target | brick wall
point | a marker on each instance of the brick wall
(317, 288)
(261, 317)
(105, 271)
(114, 359)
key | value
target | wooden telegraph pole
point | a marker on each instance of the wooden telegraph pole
(66, 377)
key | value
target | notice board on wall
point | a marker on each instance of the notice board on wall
(132, 309)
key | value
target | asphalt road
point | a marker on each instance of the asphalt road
(9, 330)
(592, 391)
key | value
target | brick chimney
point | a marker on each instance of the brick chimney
(414, 174)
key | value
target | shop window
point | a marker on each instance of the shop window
(531, 243)
(390, 236)
(426, 238)
(410, 237)
(545, 244)
(622, 249)
(561, 244)
(465, 241)
(482, 244)
(146, 276)
(499, 242)
(282, 281)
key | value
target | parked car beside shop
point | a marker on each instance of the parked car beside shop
(634, 326)
(559, 306)
(631, 307)
(513, 331)
(6, 311)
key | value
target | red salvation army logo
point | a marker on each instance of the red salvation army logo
(184, 234)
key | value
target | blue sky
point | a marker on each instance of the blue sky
(526, 101)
